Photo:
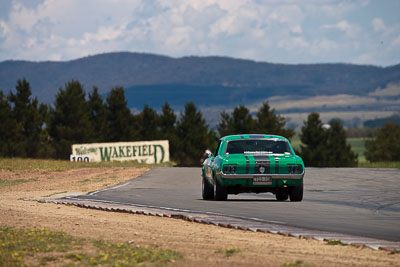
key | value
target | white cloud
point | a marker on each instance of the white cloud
(290, 14)
(396, 42)
(330, 9)
(31, 42)
(324, 46)
(286, 31)
(364, 58)
(296, 29)
(22, 18)
(54, 57)
(4, 30)
(378, 24)
(180, 37)
(225, 25)
(248, 53)
(103, 33)
(294, 43)
(344, 26)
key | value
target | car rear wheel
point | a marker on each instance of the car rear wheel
(282, 195)
(296, 193)
(206, 189)
(219, 191)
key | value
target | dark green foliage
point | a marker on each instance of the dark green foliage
(313, 137)
(46, 149)
(30, 118)
(242, 122)
(120, 123)
(338, 152)
(269, 122)
(225, 126)
(8, 128)
(31, 130)
(70, 120)
(239, 122)
(386, 145)
(168, 128)
(97, 116)
(194, 137)
(149, 121)
(50, 132)
(75, 120)
(325, 147)
(167, 121)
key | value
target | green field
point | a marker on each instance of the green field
(295, 141)
(358, 146)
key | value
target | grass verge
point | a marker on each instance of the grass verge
(335, 242)
(61, 165)
(297, 264)
(34, 247)
(228, 252)
(14, 182)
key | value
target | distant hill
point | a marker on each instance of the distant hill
(377, 123)
(209, 81)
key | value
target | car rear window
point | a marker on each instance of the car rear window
(264, 146)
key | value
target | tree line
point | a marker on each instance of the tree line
(30, 129)
(321, 147)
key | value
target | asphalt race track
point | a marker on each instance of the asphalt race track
(362, 202)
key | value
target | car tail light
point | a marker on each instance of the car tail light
(294, 169)
(230, 169)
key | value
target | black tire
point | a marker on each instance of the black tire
(296, 193)
(206, 189)
(282, 195)
(219, 191)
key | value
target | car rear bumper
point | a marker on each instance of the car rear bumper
(273, 176)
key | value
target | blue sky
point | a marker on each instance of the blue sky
(279, 31)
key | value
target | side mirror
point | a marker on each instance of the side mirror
(208, 154)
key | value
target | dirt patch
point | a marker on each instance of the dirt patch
(201, 245)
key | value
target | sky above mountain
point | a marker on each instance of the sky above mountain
(280, 31)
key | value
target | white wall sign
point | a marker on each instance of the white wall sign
(143, 151)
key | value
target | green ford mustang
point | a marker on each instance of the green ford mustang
(253, 163)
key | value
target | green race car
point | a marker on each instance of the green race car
(253, 163)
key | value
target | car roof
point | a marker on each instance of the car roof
(252, 136)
